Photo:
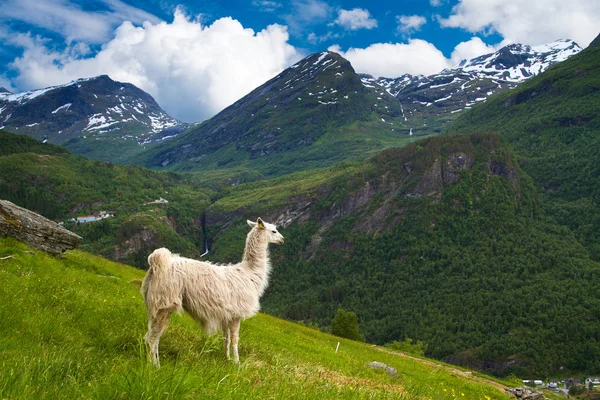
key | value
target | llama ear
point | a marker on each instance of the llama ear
(260, 223)
(252, 224)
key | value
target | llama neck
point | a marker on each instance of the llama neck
(256, 253)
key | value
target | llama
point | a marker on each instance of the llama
(217, 296)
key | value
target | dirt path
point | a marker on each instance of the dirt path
(466, 374)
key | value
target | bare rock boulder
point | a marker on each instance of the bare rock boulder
(379, 365)
(35, 230)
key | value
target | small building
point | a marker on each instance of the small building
(86, 218)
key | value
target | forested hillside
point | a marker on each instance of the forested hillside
(47, 179)
(553, 122)
(442, 241)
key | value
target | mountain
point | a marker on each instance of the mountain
(430, 102)
(95, 117)
(312, 110)
(314, 113)
(552, 121)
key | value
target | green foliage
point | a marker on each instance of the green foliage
(72, 328)
(409, 346)
(345, 324)
(11, 144)
(551, 122)
(50, 181)
(465, 261)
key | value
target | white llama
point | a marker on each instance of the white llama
(217, 296)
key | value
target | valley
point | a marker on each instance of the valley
(466, 224)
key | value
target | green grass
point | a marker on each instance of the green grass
(72, 328)
(267, 194)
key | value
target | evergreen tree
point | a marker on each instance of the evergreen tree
(345, 324)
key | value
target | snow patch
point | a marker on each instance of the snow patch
(63, 107)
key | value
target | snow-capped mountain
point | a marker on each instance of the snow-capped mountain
(318, 95)
(517, 62)
(90, 116)
(431, 101)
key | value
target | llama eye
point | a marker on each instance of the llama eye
(274, 231)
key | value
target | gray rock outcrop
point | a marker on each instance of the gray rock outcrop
(525, 393)
(35, 230)
(379, 365)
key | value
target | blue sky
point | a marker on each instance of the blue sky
(196, 57)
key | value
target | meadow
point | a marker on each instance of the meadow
(73, 327)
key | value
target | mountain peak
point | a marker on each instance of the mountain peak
(517, 62)
(5, 90)
(321, 93)
(89, 115)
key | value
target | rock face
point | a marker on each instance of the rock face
(35, 230)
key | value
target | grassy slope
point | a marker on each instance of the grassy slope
(72, 328)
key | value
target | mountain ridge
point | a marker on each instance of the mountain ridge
(87, 114)
(432, 101)
(295, 110)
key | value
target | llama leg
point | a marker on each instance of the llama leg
(156, 327)
(235, 336)
(227, 339)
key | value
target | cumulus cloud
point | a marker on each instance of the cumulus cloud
(192, 70)
(471, 49)
(357, 18)
(408, 24)
(394, 59)
(417, 57)
(69, 20)
(524, 21)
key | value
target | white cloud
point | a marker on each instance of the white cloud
(357, 18)
(314, 39)
(408, 24)
(192, 70)
(471, 49)
(68, 19)
(529, 22)
(394, 59)
(417, 57)
(266, 5)
(435, 3)
(306, 13)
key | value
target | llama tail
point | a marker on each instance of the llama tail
(159, 261)
(157, 288)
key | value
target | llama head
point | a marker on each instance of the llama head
(272, 234)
